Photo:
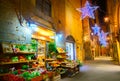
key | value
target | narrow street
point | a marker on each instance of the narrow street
(102, 69)
(57, 40)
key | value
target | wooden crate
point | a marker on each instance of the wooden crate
(56, 78)
(50, 74)
(38, 78)
(47, 79)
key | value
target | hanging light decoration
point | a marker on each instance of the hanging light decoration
(101, 34)
(103, 38)
(96, 29)
(87, 10)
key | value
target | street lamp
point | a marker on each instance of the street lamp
(106, 19)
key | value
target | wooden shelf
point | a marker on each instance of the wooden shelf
(38, 78)
(40, 53)
(61, 58)
(3, 63)
(4, 74)
(53, 62)
(56, 66)
(21, 53)
(25, 52)
(62, 53)
(49, 59)
(64, 62)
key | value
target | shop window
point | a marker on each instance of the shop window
(44, 6)
(70, 50)
(70, 47)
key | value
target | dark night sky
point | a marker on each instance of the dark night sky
(101, 9)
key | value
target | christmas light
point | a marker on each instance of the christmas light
(102, 38)
(96, 29)
(103, 43)
(87, 10)
(103, 35)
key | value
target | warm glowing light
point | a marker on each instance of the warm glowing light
(106, 19)
(52, 37)
(115, 25)
(39, 32)
(42, 38)
(86, 38)
(42, 31)
(92, 34)
(45, 32)
(108, 38)
(39, 37)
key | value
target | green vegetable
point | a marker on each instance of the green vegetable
(14, 59)
(29, 57)
(15, 72)
(25, 67)
(34, 45)
(28, 76)
(52, 50)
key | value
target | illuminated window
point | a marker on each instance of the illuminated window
(70, 50)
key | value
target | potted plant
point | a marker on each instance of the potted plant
(52, 50)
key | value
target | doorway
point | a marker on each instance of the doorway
(70, 47)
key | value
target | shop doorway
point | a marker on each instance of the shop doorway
(70, 47)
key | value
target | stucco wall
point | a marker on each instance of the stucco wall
(67, 20)
(74, 25)
(58, 14)
(10, 28)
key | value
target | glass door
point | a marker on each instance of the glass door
(70, 50)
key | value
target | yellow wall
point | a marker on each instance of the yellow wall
(73, 25)
(67, 19)
(58, 14)
(118, 46)
(117, 20)
(114, 16)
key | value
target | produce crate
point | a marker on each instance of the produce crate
(38, 78)
(50, 74)
(56, 78)
(47, 79)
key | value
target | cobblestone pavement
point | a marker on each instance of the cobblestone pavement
(101, 69)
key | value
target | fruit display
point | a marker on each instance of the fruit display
(60, 50)
(29, 75)
(59, 56)
(12, 77)
(22, 58)
(14, 59)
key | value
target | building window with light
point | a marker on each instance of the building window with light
(44, 6)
